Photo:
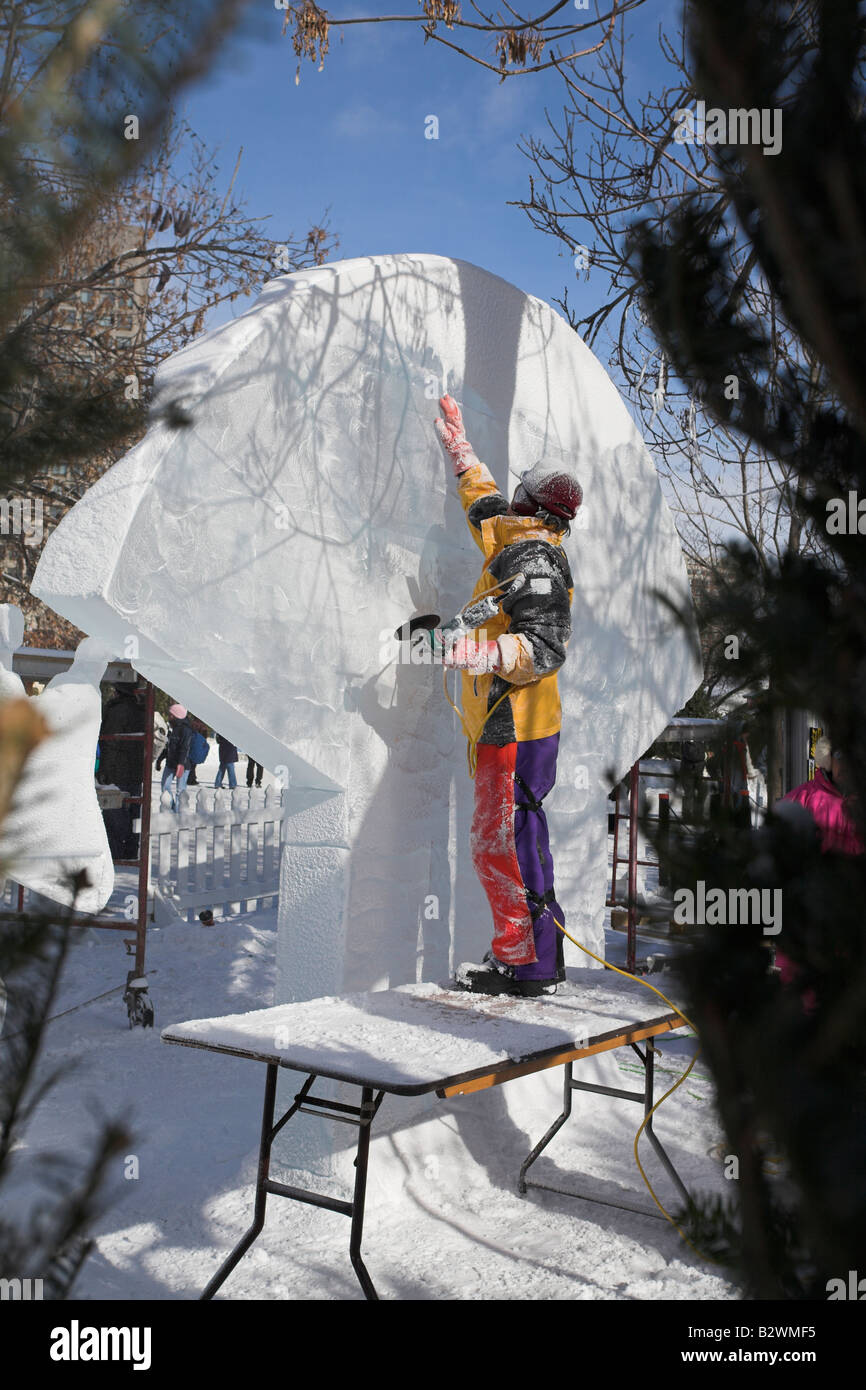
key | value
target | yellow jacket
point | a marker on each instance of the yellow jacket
(533, 625)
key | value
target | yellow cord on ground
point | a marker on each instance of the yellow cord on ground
(679, 1082)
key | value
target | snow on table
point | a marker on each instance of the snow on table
(417, 1038)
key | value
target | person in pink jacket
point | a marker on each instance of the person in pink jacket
(825, 798)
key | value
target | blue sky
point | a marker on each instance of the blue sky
(352, 139)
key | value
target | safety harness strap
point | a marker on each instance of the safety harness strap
(541, 901)
(531, 803)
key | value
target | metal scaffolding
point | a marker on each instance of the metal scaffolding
(678, 731)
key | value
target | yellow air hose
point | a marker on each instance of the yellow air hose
(670, 1092)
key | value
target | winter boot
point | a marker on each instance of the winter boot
(494, 977)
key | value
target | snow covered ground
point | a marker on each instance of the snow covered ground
(444, 1219)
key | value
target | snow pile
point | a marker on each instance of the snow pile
(443, 1220)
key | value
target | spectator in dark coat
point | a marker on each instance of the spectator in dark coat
(253, 769)
(694, 783)
(176, 752)
(228, 757)
(120, 765)
(199, 750)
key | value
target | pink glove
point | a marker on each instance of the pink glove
(180, 769)
(481, 658)
(452, 436)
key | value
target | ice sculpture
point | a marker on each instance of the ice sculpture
(255, 563)
(55, 827)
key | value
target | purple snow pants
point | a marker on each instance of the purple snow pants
(511, 854)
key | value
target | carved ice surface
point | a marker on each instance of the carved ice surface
(256, 563)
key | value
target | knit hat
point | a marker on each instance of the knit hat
(551, 485)
(177, 711)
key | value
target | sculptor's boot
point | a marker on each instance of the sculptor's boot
(494, 977)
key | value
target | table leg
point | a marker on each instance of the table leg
(554, 1128)
(365, 1113)
(648, 1061)
(368, 1110)
(645, 1096)
(246, 1241)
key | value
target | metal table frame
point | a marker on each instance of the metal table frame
(363, 1115)
(645, 1097)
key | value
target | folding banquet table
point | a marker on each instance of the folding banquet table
(423, 1038)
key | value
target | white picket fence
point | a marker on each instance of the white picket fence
(221, 849)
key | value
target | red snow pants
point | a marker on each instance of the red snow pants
(511, 854)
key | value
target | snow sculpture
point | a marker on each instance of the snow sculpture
(256, 562)
(11, 638)
(55, 827)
